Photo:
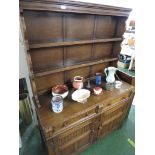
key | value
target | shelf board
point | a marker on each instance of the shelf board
(44, 73)
(48, 90)
(69, 43)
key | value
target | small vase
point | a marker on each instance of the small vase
(78, 82)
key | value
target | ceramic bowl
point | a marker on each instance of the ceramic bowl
(61, 90)
(81, 95)
(97, 90)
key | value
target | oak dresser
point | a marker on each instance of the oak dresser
(68, 38)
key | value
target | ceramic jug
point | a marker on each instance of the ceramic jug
(78, 82)
(110, 76)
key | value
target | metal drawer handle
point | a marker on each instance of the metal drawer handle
(87, 114)
(109, 104)
(98, 109)
(100, 127)
(65, 124)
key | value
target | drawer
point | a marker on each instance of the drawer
(120, 98)
(68, 124)
(79, 118)
(98, 109)
(72, 122)
(86, 115)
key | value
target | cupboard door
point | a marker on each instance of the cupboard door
(131, 97)
(75, 139)
(112, 118)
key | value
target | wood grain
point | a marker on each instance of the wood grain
(70, 43)
(45, 58)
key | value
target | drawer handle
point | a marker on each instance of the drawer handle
(100, 127)
(109, 104)
(98, 109)
(65, 124)
(87, 114)
(92, 130)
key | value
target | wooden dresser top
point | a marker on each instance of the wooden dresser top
(73, 6)
(73, 109)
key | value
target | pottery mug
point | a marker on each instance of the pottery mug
(78, 82)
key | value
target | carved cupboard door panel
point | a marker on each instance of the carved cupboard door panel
(74, 139)
(113, 117)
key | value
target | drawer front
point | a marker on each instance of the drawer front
(78, 118)
(70, 123)
(118, 99)
(90, 112)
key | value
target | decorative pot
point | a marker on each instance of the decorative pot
(78, 82)
(97, 91)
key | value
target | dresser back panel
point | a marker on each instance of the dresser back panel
(78, 26)
(45, 82)
(102, 50)
(105, 26)
(77, 54)
(47, 26)
(47, 58)
(43, 26)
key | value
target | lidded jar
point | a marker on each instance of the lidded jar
(57, 103)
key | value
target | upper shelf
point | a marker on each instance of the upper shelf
(48, 72)
(69, 43)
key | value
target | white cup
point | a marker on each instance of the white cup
(118, 84)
